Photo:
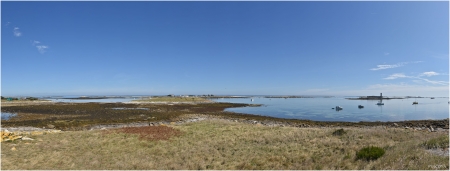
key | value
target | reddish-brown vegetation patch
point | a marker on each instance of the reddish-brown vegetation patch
(151, 132)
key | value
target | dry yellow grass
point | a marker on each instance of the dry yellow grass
(220, 144)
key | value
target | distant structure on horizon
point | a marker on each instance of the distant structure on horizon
(376, 97)
(380, 97)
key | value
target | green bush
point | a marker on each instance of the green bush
(370, 153)
(32, 98)
(339, 132)
(439, 142)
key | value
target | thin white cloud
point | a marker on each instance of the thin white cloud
(16, 31)
(7, 24)
(434, 82)
(42, 48)
(380, 67)
(35, 42)
(418, 78)
(395, 76)
(429, 74)
(386, 53)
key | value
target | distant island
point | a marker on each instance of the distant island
(374, 98)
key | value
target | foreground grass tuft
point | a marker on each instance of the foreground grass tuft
(370, 153)
(439, 142)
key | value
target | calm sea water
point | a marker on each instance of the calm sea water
(6, 115)
(320, 109)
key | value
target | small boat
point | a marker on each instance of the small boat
(338, 108)
(380, 103)
(252, 100)
(432, 98)
(415, 102)
(360, 106)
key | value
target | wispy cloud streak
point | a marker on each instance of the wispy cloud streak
(395, 76)
(34, 42)
(41, 48)
(16, 31)
(419, 77)
(429, 74)
(380, 67)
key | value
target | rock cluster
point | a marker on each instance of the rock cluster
(19, 135)
(9, 136)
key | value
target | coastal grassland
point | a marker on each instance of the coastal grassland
(223, 144)
(174, 99)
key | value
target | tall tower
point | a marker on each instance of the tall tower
(381, 95)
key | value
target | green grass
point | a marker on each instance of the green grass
(220, 144)
(370, 153)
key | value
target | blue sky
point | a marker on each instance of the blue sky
(240, 48)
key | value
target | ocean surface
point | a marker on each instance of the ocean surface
(6, 115)
(320, 108)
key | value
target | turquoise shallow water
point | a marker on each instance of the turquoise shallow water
(320, 109)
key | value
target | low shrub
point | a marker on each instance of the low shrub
(370, 153)
(339, 132)
(32, 98)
